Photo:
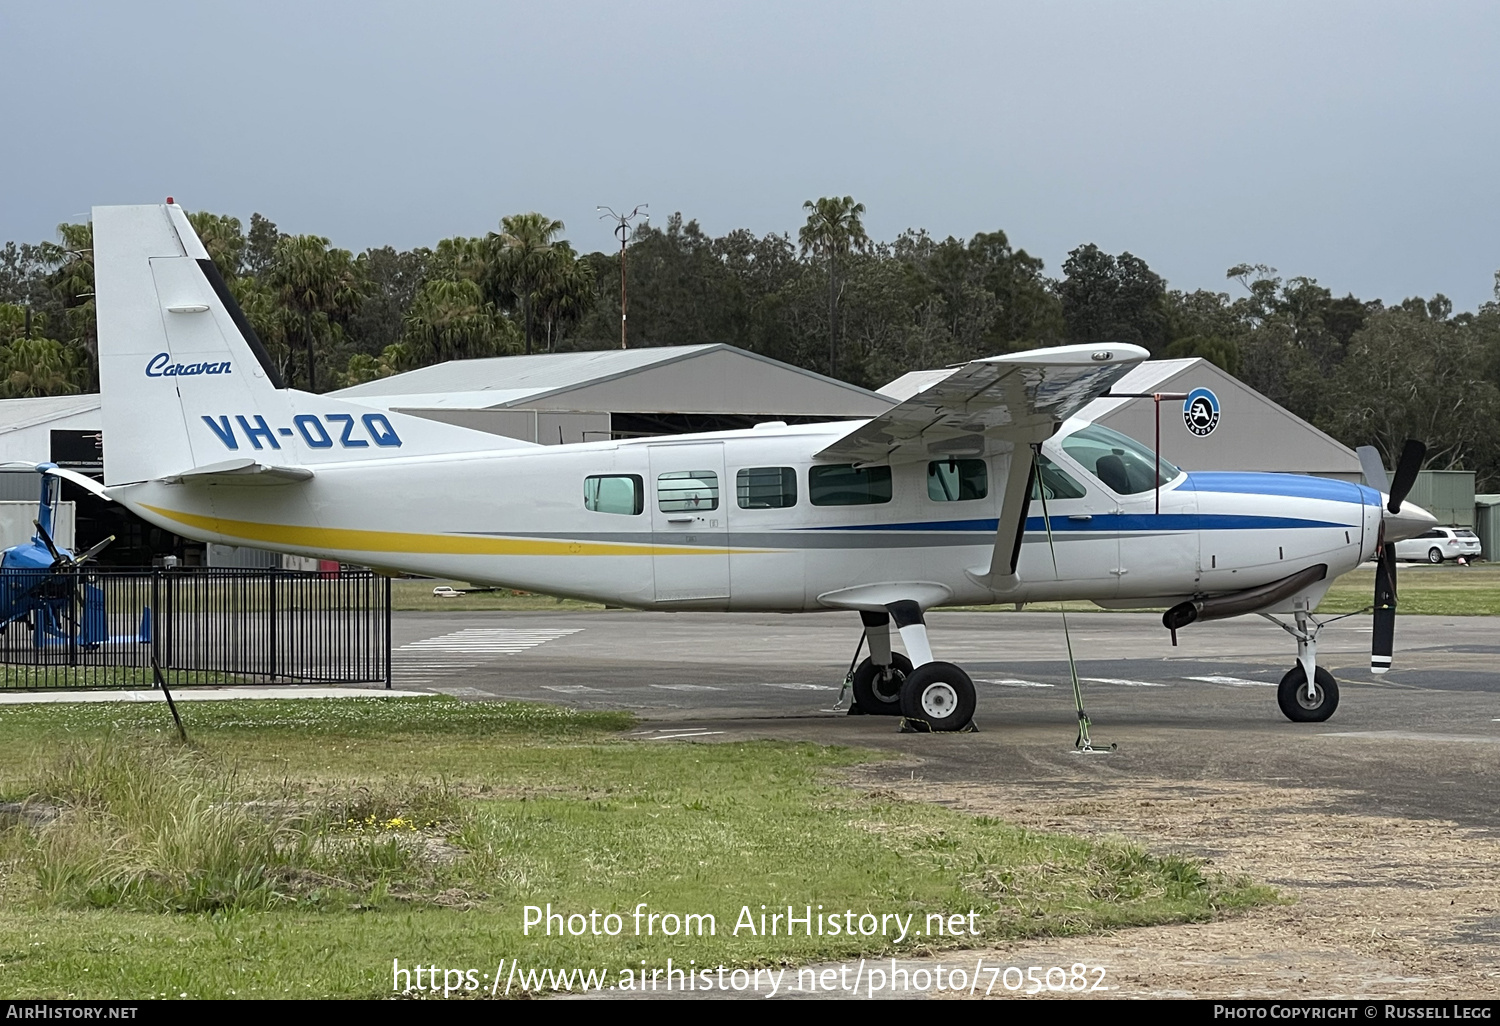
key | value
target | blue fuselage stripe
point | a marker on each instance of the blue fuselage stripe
(1112, 523)
(1297, 486)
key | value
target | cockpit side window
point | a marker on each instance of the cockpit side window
(1120, 462)
(955, 480)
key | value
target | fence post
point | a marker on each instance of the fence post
(387, 645)
(272, 660)
(156, 620)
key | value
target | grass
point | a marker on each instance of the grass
(296, 847)
(1447, 590)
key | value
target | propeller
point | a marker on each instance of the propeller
(1383, 639)
(58, 559)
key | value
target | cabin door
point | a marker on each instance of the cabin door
(687, 495)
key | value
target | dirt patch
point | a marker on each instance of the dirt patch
(1375, 906)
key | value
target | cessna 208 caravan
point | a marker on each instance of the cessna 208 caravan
(935, 502)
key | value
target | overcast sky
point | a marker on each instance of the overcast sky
(1354, 143)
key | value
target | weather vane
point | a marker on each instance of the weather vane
(622, 232)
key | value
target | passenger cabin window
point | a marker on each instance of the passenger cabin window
(615, 493)
(687, 491)
(844, 485)
(957, 480)
(1053, 482)
(1122, 463)
(766, 487)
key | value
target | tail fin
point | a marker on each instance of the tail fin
(185, 383)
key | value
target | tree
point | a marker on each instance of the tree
(260, 245)
(320, 286)
(1112, 299)
(1411, 375)
(832, 231)
(566, 291)
(38, 366)
(224, 239)
(395, 279)
(520, 262)
(450, 320)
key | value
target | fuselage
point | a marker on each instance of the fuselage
(749, 520)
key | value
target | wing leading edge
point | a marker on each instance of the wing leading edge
(991, 407)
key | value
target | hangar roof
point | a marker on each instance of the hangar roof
(662, 379)
(19, 414)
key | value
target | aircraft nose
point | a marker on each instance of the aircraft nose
(1411, 521)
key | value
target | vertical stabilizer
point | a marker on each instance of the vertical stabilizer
(186, 384)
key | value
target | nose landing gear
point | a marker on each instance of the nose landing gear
(1307, 693)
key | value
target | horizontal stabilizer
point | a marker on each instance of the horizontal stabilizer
(241, 471)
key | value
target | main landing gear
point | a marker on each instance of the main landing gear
(1301, 701)
(921, 689)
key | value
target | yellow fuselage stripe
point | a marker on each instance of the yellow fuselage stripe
(345, 539)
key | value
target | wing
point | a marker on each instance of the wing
(991, 407)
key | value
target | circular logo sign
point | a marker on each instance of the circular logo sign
(1200, 412)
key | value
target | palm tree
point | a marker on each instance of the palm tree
(566, 293)
(832, 230)
(450, 320)
(521, 261)
(318, 284)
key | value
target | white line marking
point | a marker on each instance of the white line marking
(1236, 682)
(572, 689)
(488, 640)
(1011, 683)
(1410, 735)
(801, 687)
(1122, 683)
(677, 737)
(685, 687)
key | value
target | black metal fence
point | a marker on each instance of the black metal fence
(101, 627)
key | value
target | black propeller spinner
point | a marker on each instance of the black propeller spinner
(1383, 639)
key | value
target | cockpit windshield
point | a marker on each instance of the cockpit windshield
(1119, 461)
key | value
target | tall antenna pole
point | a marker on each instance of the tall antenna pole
(622, 232)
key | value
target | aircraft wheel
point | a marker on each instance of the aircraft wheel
(878, 693)
(1291, 695)
(1434, 556)
(940, 694)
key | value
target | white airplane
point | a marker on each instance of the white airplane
(932, 503)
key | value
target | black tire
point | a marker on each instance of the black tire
(877, 693)
(1291, 695)
(940, 695)
(1434, 556)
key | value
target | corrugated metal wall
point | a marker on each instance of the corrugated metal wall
(1487, 524)
(1447, 495)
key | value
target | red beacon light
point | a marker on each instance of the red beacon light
(170, 201)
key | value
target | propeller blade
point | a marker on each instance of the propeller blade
(83, 481)
(94, 550)
(47, 540)
(1383, 640)
(1407, 468)
(1374, 468)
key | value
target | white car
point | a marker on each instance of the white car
(1439, 544)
